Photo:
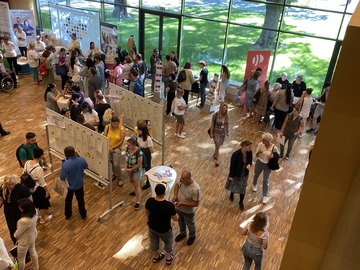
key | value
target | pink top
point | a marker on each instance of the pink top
(117, 75)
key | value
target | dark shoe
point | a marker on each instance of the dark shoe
(161, 256)
(67, 218)
(132, 193)
(231, 196)
(217, 164)
(179, 238)
(310, 130)
(169, 261)
(190, 241)
(4, 133)
(241, 205)
(137, 206)
(83, 217)
(199, 106)
(146, 186)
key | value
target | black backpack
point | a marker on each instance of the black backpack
(27, 180)
(18, 153)
(182, 76)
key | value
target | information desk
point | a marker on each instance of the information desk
(156, 176)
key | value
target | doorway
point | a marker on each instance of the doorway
(159, 30)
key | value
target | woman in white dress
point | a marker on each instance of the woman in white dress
(224, 83)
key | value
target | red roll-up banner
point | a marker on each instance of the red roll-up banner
(257, 59)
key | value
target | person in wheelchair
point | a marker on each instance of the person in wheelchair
(5, 73)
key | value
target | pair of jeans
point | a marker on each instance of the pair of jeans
(64, 79)
(290, 145)
(186, 220)
(202, 93)
(252, 253)
(21, 252)
(13, 64)
(262, 167)
(165, 80)
(155, 237)
(79, 194)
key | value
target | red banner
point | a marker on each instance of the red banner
(257, 59)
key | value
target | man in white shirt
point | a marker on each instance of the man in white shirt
(5, 73)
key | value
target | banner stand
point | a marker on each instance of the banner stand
(88, 172)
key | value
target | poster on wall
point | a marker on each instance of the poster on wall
(25, 19)
(257, 59)
(84, 23)
(5, 24)
(109, 38)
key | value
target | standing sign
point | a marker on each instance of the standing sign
(24, 18)
(5, 24)
(109, 38)
(257, 59)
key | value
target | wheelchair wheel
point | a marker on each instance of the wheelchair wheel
(7, 84)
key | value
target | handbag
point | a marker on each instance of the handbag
(13, 251)
(273, 162)
(210, 125)
(61, 187)
(61, 70)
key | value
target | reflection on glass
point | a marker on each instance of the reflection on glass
(132, 3)
(82, 4)
(303, 55)
(331, 5)
(170, 6)
(151, 35)
(126, 26)
(210, 9)
(170, 35)
(255, 14)
(312, 22)
(203, 41)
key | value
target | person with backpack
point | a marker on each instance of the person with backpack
(25, 151)
(45, 68)
(39, 190)
(141, 65)
(136, 85)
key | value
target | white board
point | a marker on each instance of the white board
(135, 107)
(68, 20)
(92, 146)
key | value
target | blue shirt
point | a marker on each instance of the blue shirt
(73, 168)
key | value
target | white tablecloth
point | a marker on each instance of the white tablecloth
(157, 175)
(63, 103)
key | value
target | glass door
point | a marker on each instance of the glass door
(158, 31)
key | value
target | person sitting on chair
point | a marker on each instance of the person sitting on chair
(5, 73)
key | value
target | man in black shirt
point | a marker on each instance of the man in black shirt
(160, 212)
(298, 88)
(203, 79)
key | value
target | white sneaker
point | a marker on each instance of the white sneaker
(183, 133)
(176, 134)
(181, 136)
(265, 200)
(254, 188)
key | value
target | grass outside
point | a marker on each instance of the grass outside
(204, 40)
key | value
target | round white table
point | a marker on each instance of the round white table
(160, 174)
(63, 103)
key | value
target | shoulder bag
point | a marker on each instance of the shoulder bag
(211, 122)
(273, 162)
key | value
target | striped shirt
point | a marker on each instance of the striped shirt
(255, 240)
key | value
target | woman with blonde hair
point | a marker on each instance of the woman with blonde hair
(264, 152)
(12, 191)
(33, 60)
(116, 134)
(256, 242)
(261, 106)
(219, 128)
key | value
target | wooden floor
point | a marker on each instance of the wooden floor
(89, 244)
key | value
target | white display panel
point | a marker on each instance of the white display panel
(68, 20)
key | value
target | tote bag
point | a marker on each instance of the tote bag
(61, 187)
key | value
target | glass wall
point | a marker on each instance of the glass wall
(300, 33)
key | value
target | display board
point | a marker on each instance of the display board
(68, 20)
(135, 107)
(92, 146)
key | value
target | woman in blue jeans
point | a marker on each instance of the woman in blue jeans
(257, 240)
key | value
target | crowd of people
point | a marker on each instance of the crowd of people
(290, 103)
